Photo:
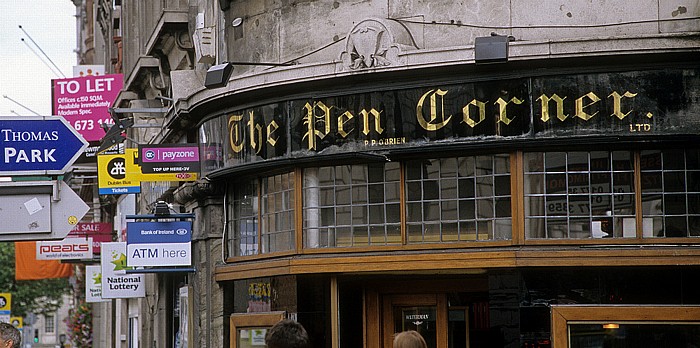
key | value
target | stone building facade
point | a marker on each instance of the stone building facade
(500, 174)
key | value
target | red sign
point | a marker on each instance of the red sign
(101, 232)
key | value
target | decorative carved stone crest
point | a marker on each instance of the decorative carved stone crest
(375, 43)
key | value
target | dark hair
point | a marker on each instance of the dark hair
(287, 334)
(10, 333)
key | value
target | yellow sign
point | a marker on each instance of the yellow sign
(5, 301)
(118, 174)
(16, 322)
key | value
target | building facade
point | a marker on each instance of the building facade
(518, 174)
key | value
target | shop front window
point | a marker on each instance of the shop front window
(275, 213)
(578, 195)
(458, 199)
(670, 193)
(352, 205)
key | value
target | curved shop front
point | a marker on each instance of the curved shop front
(483, 210)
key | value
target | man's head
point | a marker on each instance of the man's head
(9, 336)
(287, 334)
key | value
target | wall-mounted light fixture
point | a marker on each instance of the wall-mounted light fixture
(491, 49)
(218, 75)
(611, 326)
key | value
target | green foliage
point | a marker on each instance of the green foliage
(29, 296)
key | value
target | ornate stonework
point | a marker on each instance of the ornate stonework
(376, 43)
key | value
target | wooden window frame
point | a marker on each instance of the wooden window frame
(562, 316)
(250, 320)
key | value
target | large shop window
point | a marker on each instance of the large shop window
(670, 193)
(458, 199)
(352, 205)
(273, 206)
(579, 194)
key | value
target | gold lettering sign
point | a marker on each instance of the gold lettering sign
(377, 121)
(466, 118)
(310, 120)
(428, 124)
(343, 119)
(255, 133)
(502, 104)
(579, 106)
(617, 103)
(235, 133)
(545, 107)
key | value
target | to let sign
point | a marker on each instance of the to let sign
(85, 102)
(40, 145)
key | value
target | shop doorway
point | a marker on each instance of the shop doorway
(441, 326)
(625, 326)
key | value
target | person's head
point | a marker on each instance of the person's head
(287, 334)
(409, 339)
(9, 336)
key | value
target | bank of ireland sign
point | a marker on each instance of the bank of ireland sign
(159, 243)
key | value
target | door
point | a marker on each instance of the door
(425, 313)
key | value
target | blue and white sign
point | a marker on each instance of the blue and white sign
(159, 243)
(38, 145)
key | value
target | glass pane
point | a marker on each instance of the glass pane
(623, 160)
(466, 166)
(422, 319)
(534, 184)
(534, 228)
(448, 188)
(466, 188)
(577, 161)
(431, 189)
(638, 335)
(674, 181)
(533, 162)
(673, 159)
(556, 183)
(555, 162)
(650, 160)
(449, 210)
(600, 161)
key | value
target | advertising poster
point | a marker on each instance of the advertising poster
(85, 101)
(115, 282)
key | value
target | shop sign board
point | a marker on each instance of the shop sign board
(5, 306)
(100, 232)
(159, 243)
(116, 283)
(93, 284)
(66, 249)
(169, 158)
(40, 145)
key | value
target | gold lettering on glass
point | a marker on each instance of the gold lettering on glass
(365, 118)
(343, 119)
(579, 106)
(272, 127)
(311, 119)
(617, 103)
(502, 104)
(234, 133)
(466, 117)
(256, 133)
(429, 124)
(545, 107)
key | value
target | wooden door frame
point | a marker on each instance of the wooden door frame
(439, 300)
(563, 315)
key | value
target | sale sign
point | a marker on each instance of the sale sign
(85, 101)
